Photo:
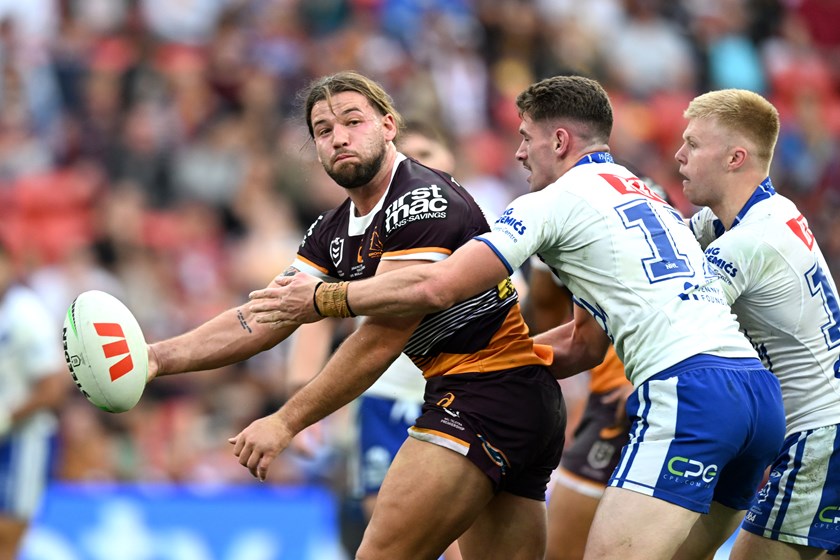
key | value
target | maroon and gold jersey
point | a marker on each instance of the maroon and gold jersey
(425, 215)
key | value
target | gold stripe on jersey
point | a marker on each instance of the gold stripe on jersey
(608, 375)
(415, 251)
(313, 265)
(509, 348)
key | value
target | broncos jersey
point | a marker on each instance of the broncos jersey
(777, 281)
(630, 261)
(425, 215)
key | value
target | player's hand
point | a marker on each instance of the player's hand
(289, 301)
(619, 396)
(258, 444)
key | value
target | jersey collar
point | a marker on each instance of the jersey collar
(359, 224)
(595, 157)
(762, 192)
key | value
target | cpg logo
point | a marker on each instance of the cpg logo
(829, 514)
(116, 348)
(689, 468)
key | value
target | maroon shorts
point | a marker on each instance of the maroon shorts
(596, 448)
(510, 424)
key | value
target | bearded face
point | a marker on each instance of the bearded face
(351, 138)
(357, 170)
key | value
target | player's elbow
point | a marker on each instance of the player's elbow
(436, 295)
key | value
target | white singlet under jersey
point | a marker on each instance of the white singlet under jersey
(631, 262)
(779, 286)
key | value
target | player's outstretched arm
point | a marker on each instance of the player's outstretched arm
(230, 337)
(470, 270)
(412, 290)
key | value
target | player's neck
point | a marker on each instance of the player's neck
(577, 156)
(738, 192)
(366, 197)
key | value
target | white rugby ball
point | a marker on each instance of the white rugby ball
(105, 351)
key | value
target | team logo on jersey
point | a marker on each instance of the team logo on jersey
(511, 222)
(423, 203)
(337, 251)
(375, 247)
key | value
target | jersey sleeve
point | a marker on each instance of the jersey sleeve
(522, 230)
(705, 226)
(313, 247)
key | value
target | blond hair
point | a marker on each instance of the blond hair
(743, 112)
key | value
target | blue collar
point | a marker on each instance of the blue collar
(595, 157)
(762, 192)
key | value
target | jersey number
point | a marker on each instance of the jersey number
(665, 262)
(820, 286)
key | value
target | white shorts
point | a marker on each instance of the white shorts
(800, 504)
(25, 467)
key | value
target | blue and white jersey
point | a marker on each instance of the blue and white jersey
(777, 281)
(29, 349)
(631, 262)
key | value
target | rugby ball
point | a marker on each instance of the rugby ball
(105, 351)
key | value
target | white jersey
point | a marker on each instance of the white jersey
(29, 349)
(781, 289)
(629, 259)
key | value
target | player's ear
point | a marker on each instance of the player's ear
(737, 157)
(389, 126)
(561, 141)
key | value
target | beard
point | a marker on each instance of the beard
(354, 175)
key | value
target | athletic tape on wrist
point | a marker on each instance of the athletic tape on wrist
(331, 300)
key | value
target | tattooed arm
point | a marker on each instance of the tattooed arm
(230, 337)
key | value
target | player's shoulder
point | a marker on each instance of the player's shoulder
(327, 221)
(22, 301)
(411, 175)
(772, 220)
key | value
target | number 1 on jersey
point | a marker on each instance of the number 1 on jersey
(665, 262)
(820, 286)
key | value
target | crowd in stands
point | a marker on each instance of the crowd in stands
(155, 149)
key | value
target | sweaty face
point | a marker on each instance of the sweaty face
(536, 152)
(427, 151)
(350, 137)
(703, 161)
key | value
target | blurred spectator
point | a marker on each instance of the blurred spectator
(648, 53)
